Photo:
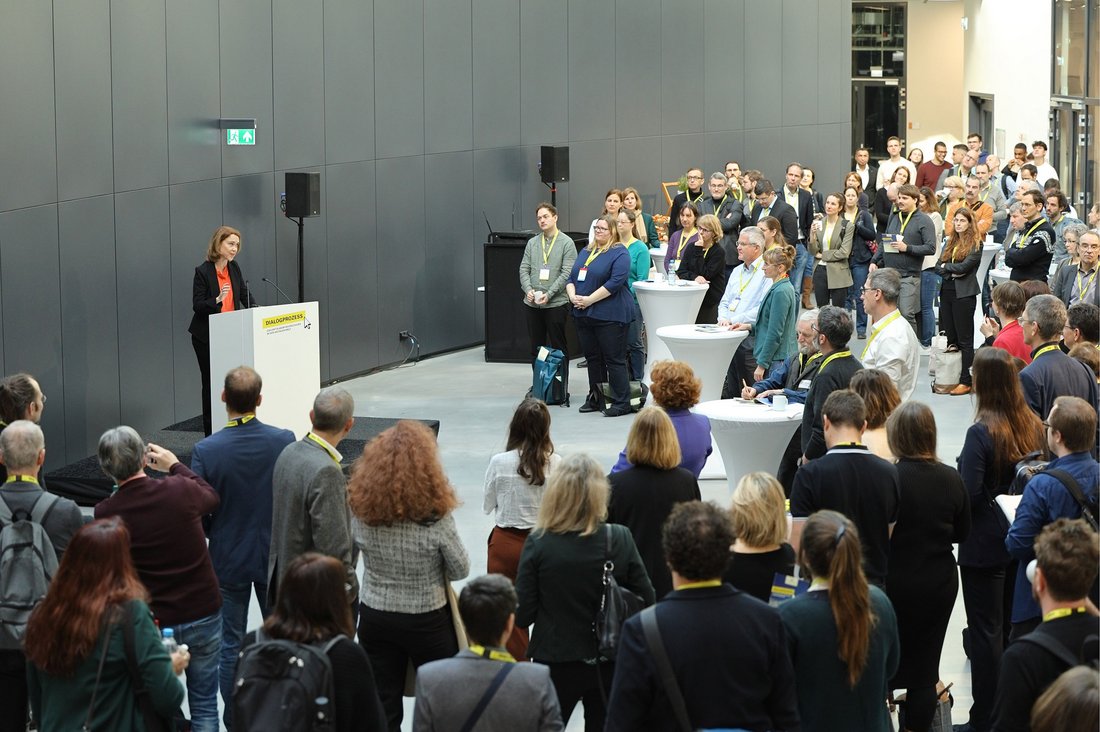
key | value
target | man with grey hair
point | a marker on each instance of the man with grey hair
(1051, 373)
(727, 208)
(838, 365)
(892, 347)
(22, 452)
(310, 504)
(745, 290)
(168, 546)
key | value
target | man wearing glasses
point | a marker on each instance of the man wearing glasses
(910, 236)
(892, 346)
(1051, 373)
(693, 193)
(1030, 255)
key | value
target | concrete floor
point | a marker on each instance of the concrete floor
(473, 401)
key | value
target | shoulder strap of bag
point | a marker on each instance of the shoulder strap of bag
(5, 511)
(152, 721)
(1060, 652)
(1074, 489)
(43, 506)
(607, 543)
(487, 697)
(98, 673)
(664, 667)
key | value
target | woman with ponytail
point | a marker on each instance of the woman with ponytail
(842, 634)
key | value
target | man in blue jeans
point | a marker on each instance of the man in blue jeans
(238, 462)
(168, 547)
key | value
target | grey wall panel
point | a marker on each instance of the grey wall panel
(637, 166)
(764, 43)
(591, 69)
(723, 98)
(349, 81)
(637, 66)
(543, 69)
(834, 59)
(766, 153)
(496, 73)
(298, 65)
(800, 61)
(399, 78)
(28, 150)
(449, 90)
(32, 312)
(799, 143)
(449, 285)
(316, 263)
(834, 156)
(246, 86)
(139, 94)
(248, 205)
(89, 321)
(718, 147)
(83, 96)
(593, 173)
(353, 271)
(680, 152)
(195, 210)
(681, 52)
(400, 217)
(145, 320)
(194, 103)
(533, 192)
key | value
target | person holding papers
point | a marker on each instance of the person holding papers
(909, 237)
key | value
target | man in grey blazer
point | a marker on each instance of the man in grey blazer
(483, 688)
(309, 511)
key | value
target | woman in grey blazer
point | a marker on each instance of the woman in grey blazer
(958, 266)
(831, 240)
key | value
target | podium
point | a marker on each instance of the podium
(279, 341)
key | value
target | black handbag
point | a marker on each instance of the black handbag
(616, 605)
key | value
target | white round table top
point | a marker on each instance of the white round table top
(696, 332)
(739, 410)
(680, 287)
(998, 273)
(990, 247)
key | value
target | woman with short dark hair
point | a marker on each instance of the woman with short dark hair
(922, 583)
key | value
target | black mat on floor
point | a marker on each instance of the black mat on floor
(85, 483)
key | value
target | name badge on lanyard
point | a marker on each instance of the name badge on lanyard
(582, 274)
(544, 273)
(804, 384)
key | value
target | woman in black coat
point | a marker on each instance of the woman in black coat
(958, 266)
(933, 514)
(642, 496)
(705, 263)
(219, 288)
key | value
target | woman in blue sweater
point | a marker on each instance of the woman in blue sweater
(602, 310)
(775, 323)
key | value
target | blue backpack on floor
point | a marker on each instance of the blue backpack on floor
(548, 382)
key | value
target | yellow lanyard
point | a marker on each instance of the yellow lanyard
(327, 448)
(719, 206)
(838, 354)
(492, 653)
(1064, 612)
(21, 479)
(1088, 282)
(906, 222)
(988, 190)
(592, 255)
(697, 198)
(878, 329)
(1022, 241)
(739, 195)
(810, 360)
(827, 237)
(1055, 223)
(240, 420)
(741, 277)
(545, 251)
(685, 236)
(1046, 349)
(699, 585)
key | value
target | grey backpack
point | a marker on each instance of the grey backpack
(27, 564)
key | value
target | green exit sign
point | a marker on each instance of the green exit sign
(240, 137)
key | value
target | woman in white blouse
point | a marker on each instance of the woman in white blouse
(514, 484)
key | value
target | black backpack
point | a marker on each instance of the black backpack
(284, 686)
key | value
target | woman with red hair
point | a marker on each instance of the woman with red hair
(78, 670)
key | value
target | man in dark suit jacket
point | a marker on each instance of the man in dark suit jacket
(449, 691)
(868, 171)
(238, 462)
(726, 649)
(769, 204)
(800, 199)
(1051, 373)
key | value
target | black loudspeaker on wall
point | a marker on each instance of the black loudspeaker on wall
(554, 165)
(303, 195)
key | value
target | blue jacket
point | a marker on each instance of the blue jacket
(610, 270)
(1054, 374)
(792, 373)
(238, 463)
(1046, 499)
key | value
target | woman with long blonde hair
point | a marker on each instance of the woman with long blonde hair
(761, 550)
(644, 226)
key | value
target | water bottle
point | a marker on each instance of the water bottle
(169, 640)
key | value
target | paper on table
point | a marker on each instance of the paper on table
(1008, 505)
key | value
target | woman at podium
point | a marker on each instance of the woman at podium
(219, 288)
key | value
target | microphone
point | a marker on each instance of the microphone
(248, 301)
(279, 289)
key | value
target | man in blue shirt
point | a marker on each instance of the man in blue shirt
(740, 304)
(237, 461)
(1071, 435)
